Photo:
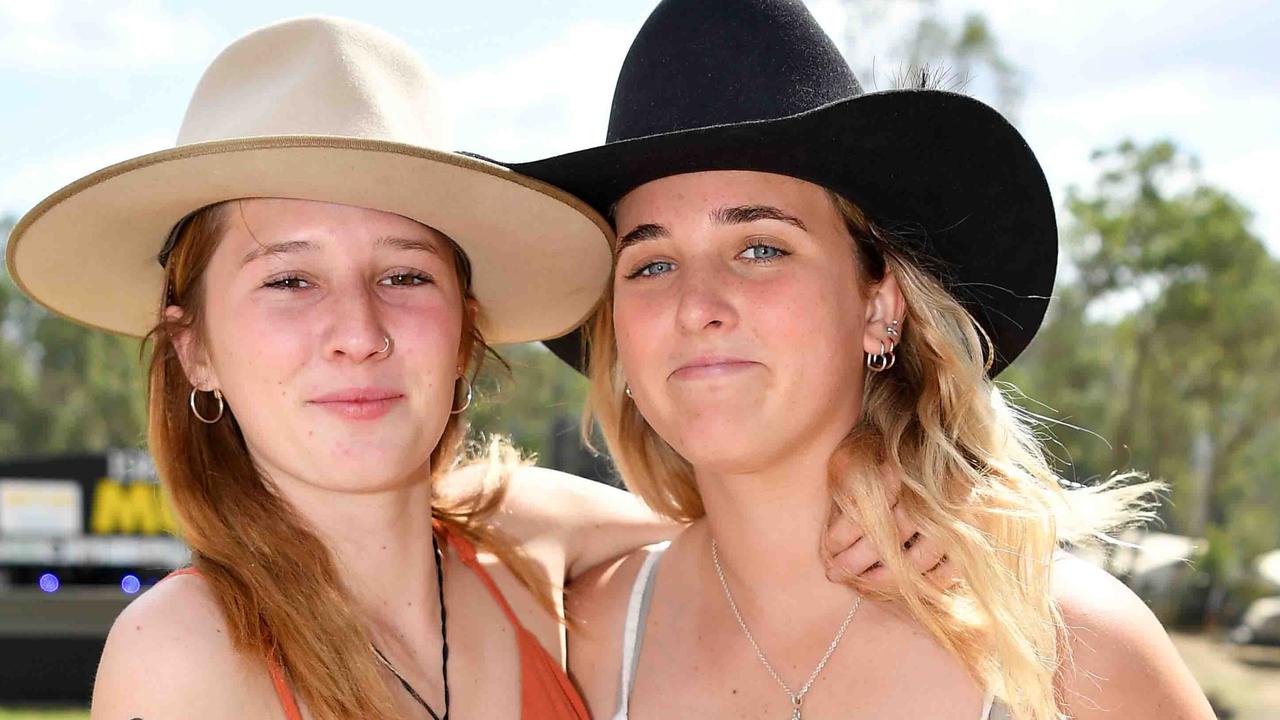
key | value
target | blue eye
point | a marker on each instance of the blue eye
(290, 282)
(653, 269)
(759, 252)
(405, 279)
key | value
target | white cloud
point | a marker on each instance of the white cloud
(551, 100)
(85, 36)
(1219, 123)
(29, 184)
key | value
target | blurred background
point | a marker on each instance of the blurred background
(1156, 124)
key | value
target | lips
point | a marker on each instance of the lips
(358, 403)
(710, 366)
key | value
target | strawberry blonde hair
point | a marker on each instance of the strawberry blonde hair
(276, 583)
(975, 479)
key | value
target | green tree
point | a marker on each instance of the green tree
(1163, 341)
(17, 381)
(968, 52)
(64, 387)
(538, 403)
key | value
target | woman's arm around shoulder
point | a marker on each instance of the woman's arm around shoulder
(168, 655)
(1122, 663)
(584, 522)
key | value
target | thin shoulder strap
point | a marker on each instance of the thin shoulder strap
(993, 709)
(632, 633)
(467, 554)
(283, 691)
(996, 710)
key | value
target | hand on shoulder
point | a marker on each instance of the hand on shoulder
(1122, 662)
(169, 655)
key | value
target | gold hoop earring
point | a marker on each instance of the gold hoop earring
(217, 394)
(466, 404)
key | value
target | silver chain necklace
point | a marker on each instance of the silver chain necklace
(797, 698)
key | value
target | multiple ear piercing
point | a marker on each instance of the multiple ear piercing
(885, 359)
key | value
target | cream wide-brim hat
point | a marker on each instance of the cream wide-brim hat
(315, 109)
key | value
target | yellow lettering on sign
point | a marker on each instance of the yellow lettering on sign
(132, 509)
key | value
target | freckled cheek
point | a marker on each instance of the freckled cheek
(262, 350)
(800, 324)
(431, 333)
(643, 330)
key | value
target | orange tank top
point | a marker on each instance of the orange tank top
(545, 690)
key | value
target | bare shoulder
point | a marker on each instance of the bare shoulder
(169, 655)
(596, 603)
(1122, 662)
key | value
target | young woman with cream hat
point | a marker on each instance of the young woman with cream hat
(814, 289)
(329, 284)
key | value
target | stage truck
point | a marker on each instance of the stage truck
(80, 536)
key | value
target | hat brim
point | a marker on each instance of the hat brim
(540, 258)
(944, 172)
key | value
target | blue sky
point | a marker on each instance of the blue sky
(88, 83)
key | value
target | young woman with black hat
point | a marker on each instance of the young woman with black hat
(813, 291)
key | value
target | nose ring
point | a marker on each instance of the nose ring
(386, 344)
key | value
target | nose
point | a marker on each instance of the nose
(356, 330)
(705, 300)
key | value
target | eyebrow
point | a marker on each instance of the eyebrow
(280, 248)
(293, 246)
(735, 215)
(640, 233)
(754, 213)
(409, 244)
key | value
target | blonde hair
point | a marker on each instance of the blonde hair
(275, 581)
(974, 479)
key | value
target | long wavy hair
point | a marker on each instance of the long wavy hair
(975, 479)
(275, 581)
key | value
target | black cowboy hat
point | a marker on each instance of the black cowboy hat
(757, 85)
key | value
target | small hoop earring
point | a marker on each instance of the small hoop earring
(892, 329)
(626, 388)
(885, 359)
(386, 344)
(217, 394)
(466, 404)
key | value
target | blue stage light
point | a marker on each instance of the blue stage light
(50, 583)
(130, 584)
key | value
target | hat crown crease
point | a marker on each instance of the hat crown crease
(318, 76)
(698, 64)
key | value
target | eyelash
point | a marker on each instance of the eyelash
(284, 283)
(755, 245)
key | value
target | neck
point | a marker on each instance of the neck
(381, 547)
(768, 526)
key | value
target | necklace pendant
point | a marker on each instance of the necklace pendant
(795, 712)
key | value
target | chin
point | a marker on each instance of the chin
(726, 447)
(361, 478)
